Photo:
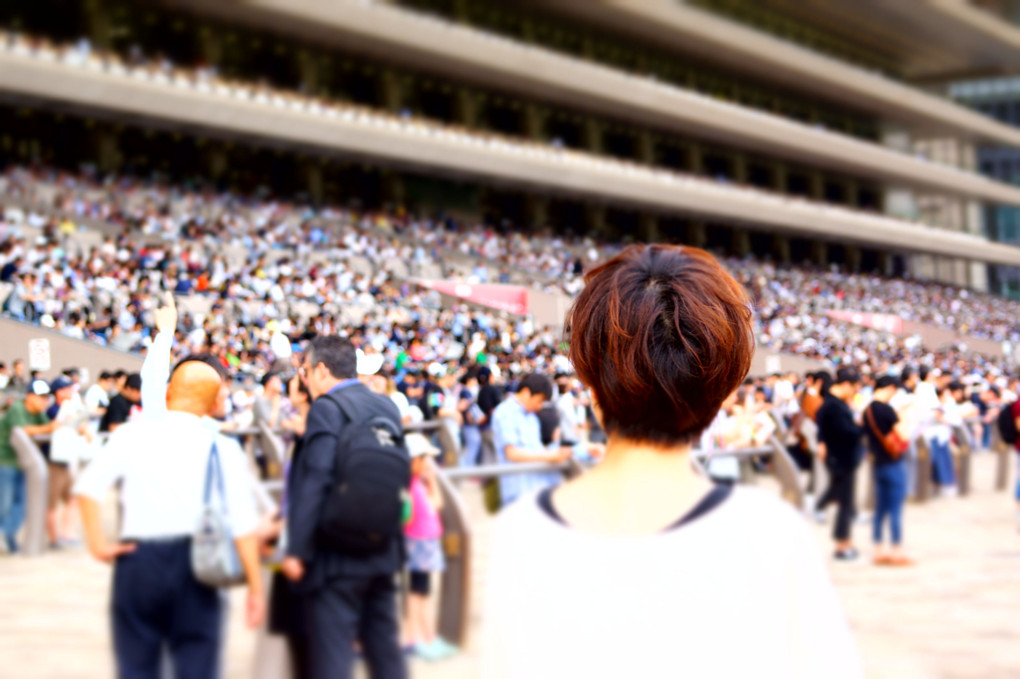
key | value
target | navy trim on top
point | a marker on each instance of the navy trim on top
(710, 501)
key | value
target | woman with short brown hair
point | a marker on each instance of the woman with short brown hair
(642, 567)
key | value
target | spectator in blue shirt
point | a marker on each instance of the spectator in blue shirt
(518, 438)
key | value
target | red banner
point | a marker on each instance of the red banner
(886, 322)
(511, 298)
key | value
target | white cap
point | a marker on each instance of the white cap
(39, 388)
(369, 364)
(418, 445)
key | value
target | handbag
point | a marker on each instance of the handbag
(892, 443)
(214, 558)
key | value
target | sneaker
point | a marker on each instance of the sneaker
(845, 554)
(66, 543)
(821, 518)
(446, 647)
(12, 545)
(436, 650)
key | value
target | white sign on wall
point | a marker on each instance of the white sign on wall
(39, 354)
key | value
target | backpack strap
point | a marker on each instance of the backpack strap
(344, 404)
(351, 411)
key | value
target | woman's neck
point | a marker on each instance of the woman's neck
(637, 489)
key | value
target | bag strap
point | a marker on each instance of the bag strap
(213, 469)
(351, 412)
(344, 404)
(871, 422)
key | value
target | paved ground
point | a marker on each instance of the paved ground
(955, 615)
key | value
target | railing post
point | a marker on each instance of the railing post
(449, 441)
(964, 441)
(455, 604)
(272, 449)
(33, 464)
(923, 483)
(786, 472)
(1002, 450)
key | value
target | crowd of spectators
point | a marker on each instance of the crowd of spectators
(261, 273)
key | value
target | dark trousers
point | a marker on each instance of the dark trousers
(350, 609)
(157, 601)
(841, 491)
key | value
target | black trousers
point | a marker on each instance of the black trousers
(157, 601)
(841, 490)
(352, 609)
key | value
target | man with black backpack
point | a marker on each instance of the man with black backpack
(344, 541)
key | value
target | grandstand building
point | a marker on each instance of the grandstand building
(823, 131)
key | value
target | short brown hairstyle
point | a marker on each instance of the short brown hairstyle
(662, 334)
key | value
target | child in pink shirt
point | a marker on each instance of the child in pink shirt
(423, 533)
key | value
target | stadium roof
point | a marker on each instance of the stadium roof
(925, 39)
(155, 99)
(963, 31)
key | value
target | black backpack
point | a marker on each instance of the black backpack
(363, 512)
(1007, 424)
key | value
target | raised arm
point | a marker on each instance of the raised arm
(156, 368)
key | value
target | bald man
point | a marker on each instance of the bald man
(161, 461)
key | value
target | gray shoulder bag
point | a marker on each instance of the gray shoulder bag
(214, 558)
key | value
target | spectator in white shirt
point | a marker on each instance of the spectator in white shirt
(97, 397)
(602, 576)
(161, 462)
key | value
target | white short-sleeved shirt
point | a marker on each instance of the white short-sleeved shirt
(741, 591)
(162, 464)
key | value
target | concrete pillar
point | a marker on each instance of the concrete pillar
(648, 231)
(315, 184)
(741, 242)
(394, 188)
(536, 211)
(593, 135)
(853, 257)
(697, 233)
(922, 267)
(308, 67)
(534, 121)
(108, 155)
(781, 249)
(974, 219)
(820, 253)
(853, 193)
(968, 155)
(816, 185)
(595, 215)
(781, 177)
(392, 87)
(646, 147)
(466, 104)
(739, 169)
(210, 45)
(218, 162)
(695, 158)
(98, 19)
(885, 263)
(977, 276)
